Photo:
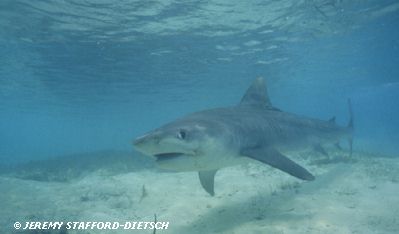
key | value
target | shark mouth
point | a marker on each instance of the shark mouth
(167, 156)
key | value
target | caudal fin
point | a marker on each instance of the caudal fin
(350, 126)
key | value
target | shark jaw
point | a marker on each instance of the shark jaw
(167, 156)
(176, 161)
(196, 152)
(168, 153)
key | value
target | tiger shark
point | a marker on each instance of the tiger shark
(211, 139)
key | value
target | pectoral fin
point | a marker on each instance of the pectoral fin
(275, 159)
(207, 179)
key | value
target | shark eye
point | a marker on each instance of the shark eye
(181, 135)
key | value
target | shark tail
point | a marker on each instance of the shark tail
(350, 126)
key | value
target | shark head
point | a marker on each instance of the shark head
(201, 140)
(186, 144)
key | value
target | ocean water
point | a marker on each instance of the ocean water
(79, 80)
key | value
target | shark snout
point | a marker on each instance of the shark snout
(154, 138)
(138, 141)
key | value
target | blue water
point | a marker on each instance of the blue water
(80, 76)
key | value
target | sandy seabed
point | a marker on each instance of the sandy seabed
(348, 196)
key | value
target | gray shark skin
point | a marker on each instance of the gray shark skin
(208, 140)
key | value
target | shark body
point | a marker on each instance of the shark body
(208, 140)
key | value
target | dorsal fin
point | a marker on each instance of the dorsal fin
(332, 119)
(257, 94)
